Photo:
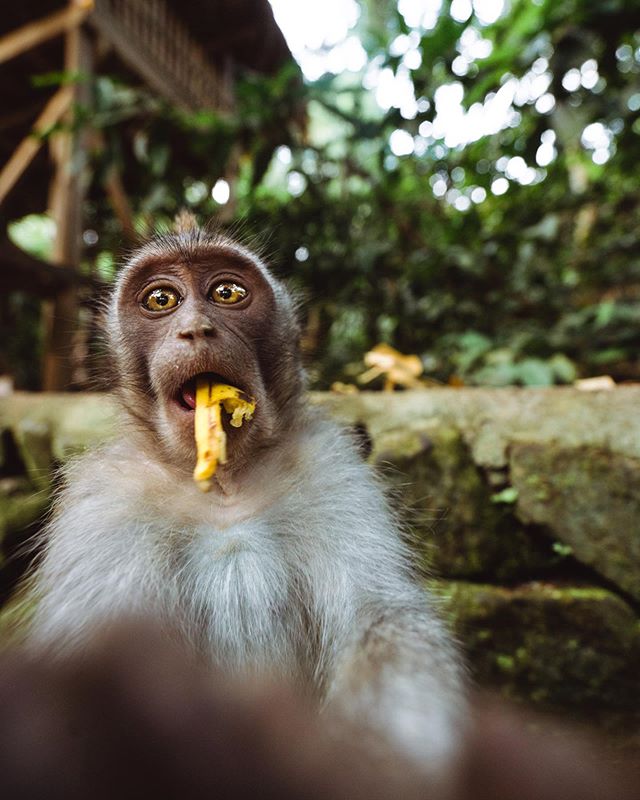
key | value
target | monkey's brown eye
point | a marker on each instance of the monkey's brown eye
(161, 299)
(228, 293)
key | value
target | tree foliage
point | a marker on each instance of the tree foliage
(512, 258)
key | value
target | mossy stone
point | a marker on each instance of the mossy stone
(456, 525)
(573, 648)
(589, 499)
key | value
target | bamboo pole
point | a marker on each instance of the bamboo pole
(34, 33)
(24, 154)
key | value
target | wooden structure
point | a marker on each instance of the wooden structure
(186, 51)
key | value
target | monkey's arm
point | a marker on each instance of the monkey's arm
(391, 666)
(399, 676)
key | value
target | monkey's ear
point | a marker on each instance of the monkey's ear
(184, 222)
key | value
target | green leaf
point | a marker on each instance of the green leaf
(535, 372)
(564, 370)
(507, 496)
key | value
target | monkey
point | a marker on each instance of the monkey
(292, 564)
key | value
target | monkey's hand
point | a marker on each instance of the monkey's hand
(211, 440)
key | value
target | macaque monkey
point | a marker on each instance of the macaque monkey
(291, 564)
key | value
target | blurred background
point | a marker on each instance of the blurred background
(455, 179)
(458, 181)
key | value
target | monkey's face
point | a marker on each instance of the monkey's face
(211, 310)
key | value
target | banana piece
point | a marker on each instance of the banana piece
(211, 440)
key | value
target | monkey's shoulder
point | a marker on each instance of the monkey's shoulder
(326, 484)
(319, 460)
(113, 484)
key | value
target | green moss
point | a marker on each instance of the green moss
(21, 510)
(508, 495)
(505, 662)
(562, 549)
(33, 439)
(566, 647)
(15, 618)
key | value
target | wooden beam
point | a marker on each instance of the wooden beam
(120, 203)
(155, 43)
(66, 199)
(116, 193)
(34, 33)
(23, 155)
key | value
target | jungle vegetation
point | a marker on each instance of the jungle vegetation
(499, 256)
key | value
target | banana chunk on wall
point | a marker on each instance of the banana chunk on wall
(211, 439)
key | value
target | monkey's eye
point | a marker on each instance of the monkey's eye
(228, 293)
(160, 299)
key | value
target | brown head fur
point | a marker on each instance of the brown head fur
(252, 344)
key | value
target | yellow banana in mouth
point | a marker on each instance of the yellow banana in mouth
(211, 440)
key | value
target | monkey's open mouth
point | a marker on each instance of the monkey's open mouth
(186, 394)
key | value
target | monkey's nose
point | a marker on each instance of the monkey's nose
(201, 330)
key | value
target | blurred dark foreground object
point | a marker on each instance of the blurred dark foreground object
(136, 718)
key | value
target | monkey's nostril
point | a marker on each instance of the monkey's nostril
(193, 333)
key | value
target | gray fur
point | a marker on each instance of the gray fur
(299, 571)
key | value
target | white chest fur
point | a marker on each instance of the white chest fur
(237, 591)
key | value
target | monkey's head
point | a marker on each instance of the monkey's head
(197, 302)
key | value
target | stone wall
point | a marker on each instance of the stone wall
(521, 504)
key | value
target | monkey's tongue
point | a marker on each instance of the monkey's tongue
(189, 394)
(188, 389)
